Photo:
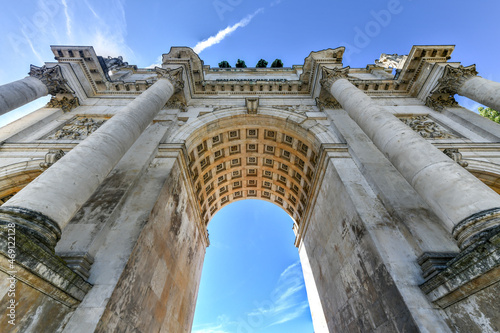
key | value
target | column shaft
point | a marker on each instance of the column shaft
(63, 188)
(482, 90)
(451, 191)
(18, 93)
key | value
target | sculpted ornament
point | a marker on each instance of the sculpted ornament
(453, 78)
(115, 63)
(440, 101)
(330, 75)
(329, 103)
(174, 75)
(64, 103)
(455, 155)
(448, 85)
(52, 77)
(427, 128)
(52, 157)
(78, 129)
(391, 61)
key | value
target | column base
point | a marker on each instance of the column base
(475, 227)
(43, 291)
(33, 224)
(472, 270)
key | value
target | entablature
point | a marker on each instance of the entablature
(111, 77)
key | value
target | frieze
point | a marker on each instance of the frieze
(78, 129)
(427, 128)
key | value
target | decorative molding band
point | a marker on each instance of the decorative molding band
(471, 229)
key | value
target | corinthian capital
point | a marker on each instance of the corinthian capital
(330, 75)
(453, 78)
(52, 77)
(174, 75)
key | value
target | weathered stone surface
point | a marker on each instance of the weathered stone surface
(369, 196)
(162, 276)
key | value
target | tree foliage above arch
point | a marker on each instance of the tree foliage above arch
(489, 113)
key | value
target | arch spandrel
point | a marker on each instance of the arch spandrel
(272, 156)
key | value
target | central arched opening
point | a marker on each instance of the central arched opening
(252, 279)
(277, 157)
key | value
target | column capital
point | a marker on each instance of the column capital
(173, 75)
(52, 77)
(453, 78)
(330, 75)
(442, 96)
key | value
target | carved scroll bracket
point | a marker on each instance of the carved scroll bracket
(52, 77)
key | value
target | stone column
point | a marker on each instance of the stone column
(42, 81)
(466, 206)
(44, 207)
(465, 82)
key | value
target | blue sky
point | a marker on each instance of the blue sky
(141, 31)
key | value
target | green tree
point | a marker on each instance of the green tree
(261, 64)
(277, 63)
(241, 64)
(224, 64)
(489, 113)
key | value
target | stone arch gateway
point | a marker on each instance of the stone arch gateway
(393, 189)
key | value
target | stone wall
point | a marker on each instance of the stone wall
(477, 313)
(355, 286)
(157, 290)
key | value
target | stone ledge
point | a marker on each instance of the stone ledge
(42, 270)
(474, 269)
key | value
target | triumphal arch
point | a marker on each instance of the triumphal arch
(393, 188)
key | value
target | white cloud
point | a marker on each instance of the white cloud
(286, 303)
(68, 19)
(224, 33)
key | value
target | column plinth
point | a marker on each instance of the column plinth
(457, 197)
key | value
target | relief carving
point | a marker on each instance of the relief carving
(52, 157)
(52, 77)
(427, 128)
(78, 129)
(64, 103)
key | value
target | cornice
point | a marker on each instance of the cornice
(197, 86)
